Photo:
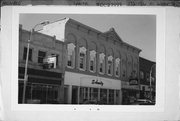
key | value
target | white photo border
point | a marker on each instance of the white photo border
(160, 57)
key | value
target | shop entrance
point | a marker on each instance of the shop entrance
(74, 95)
(89, 95)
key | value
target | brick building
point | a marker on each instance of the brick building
(99, 65)
(45, 84)
(146, 67)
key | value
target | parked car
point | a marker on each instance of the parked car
(143, 102)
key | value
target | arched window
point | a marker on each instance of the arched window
(82, 58)
(92, 61)
(141, 75)
(110, 65)
(71, 55)
(124, 65)
(117, 67)
(101, 63)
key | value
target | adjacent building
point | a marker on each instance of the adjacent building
(45, 83)
(100, 66)
(147, 79)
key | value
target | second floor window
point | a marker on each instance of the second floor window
(25, 54)
(82, 58)
(110, 65)
(141, 75)
(57, 58)
(101, 63)
(117, 67)
(41, 56)
(71, 55)
(147, 77)
(92, 60)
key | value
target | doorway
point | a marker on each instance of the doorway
(74, 95)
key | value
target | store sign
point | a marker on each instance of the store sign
(97, 82)
(50, 62)
(133, 82)
(126, 85)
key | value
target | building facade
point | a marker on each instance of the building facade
(147, 79)
(99, 65)
(45, 83)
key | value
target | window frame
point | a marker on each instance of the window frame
(141, 75)
(110, 58)
(30, 55)
(41, 56)
(71, 48)
(83, 51)
(92, 53)
(117, 60)
(57, 58)
(103, 64)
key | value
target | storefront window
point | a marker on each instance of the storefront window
(39, 93)
(83, 94)
(71, 55)
(117, 96)
(82, 58)
(111, 96)
(95, 94)
(103, 96)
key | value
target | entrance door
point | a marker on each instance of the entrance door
(74, 95)
(65, 94)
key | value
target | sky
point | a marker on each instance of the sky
(137, 30)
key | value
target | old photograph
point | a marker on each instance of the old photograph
(97, 59)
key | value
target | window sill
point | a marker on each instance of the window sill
(81, 69)
(92, 71)
(117, 75)
(70, 67)
(101, 73)
(109, 74)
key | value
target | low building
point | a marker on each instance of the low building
(45, 83)
(99, 65)
(147, 79)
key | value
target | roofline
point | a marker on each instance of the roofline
(139, 50)
(36, 32)
(102, 33)
(146, 59)
(95, 30)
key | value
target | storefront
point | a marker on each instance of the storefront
(146, 93)
(129, 93)
(42, 87)
(86, 89)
